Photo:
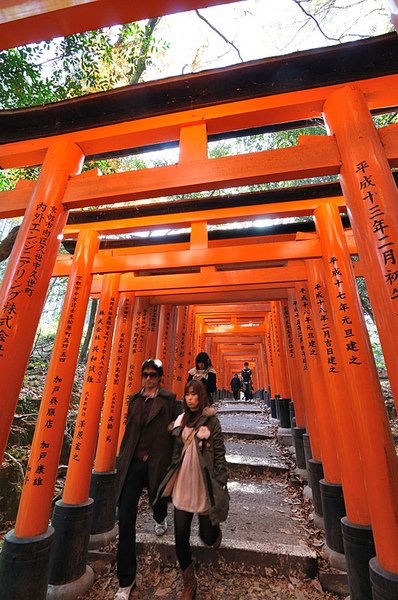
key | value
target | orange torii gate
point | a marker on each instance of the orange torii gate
(313, 290)
(233, 322)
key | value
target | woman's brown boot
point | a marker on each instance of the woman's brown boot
(190, 583)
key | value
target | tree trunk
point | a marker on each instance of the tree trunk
(91, 322)
(7, 244)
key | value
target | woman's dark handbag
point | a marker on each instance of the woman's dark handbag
(219, 503)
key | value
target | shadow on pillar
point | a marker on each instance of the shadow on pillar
(384, 583)
(359, 548)
(333, 510)
(103, 492)
(70, 576)
(315, 474)
(298, 443)
(277, 407)
(24, 566)
(285, 428)
(273, 407)
(307, 491)
(292, 415)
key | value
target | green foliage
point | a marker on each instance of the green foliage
(21, 82)
(75, 65)
(386, 119)
(68, 67)
(10, 177)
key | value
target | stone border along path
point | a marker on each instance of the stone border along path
(261, 534)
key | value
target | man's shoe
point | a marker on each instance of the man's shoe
(161, 528)
(123, 593)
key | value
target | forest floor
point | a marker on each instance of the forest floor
(222, 580)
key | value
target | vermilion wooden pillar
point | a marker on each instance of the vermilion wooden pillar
(105, 457)
(103, 478)
(212, 350)
(318, 388)
(264, 367)
(293, 366)
(270, 360)
(219, 364)
(152, 332)
(179, 374)
(77, 483)
(333, 370)
(281, 350)
(276, 358)
(76, 507)
(365, 399)
(371, 197)
(300, 351)
(136, 356)
(357, 538)
(37, 493)
(165, 340)
(189, 360)
(24, 287)
(199, 335)
(171, 346)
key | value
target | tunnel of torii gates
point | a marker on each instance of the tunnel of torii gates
(284, 298)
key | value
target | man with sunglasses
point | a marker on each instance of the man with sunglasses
(145, 455)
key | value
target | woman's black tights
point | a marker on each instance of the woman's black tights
(182, 530)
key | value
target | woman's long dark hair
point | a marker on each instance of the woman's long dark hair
(204, 358)
(190, 417)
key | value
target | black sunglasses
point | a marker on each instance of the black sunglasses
(150, 374)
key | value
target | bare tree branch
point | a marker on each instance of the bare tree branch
(310, 16)
(226, 40)
(140, 65)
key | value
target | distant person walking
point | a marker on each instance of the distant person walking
(236, 386)
(247, 382)
(145, 455)
(203, 371)
(197, 479)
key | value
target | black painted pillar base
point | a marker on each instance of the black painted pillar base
(24, 566)
(307, 491)
(315, 474)
(72, 524)
(103, 492)
(273, 408)
(292, 414)
(298, 433)
(284, 412)
(277, 407)
(384, 583)
(333, 510)
(359, 548)
(307, 451)
(284, 436)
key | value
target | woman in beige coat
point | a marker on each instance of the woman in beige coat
(197, 479)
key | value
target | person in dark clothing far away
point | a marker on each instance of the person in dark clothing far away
(203, 371)
(145, 456)
(236, 386)
(246, 374)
